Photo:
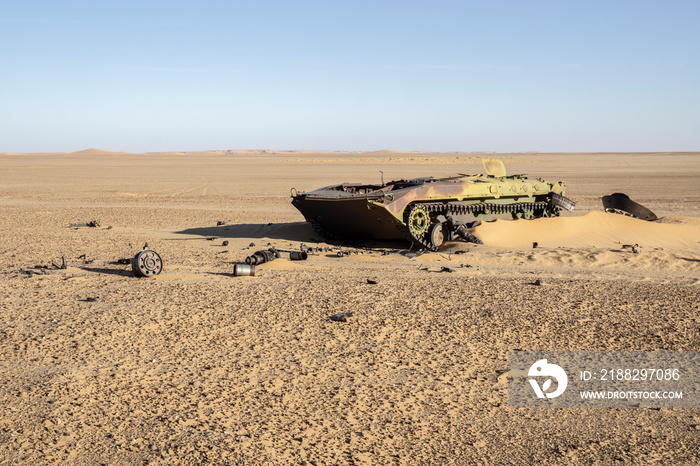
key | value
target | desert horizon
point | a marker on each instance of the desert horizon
(195, 365)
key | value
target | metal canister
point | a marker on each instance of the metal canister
(243, 270)
(298, 255)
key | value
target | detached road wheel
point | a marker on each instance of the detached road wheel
(146, 263)
(437, 236)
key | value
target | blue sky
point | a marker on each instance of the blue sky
(435, 75)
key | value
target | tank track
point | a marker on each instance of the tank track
(485, 208)
(435, 209)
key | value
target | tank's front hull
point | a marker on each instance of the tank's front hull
(350, 217)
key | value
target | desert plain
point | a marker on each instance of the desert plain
(198, 366)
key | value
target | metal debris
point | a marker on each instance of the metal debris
(620, 203)
(633, 247)
(535, 245)
(342, 317)
(460, 229)
(146, 263)
(371, 282)
(298, 255)
(63, 265)
(91, 224)
(225, 243)
(260, 257)
(243, 270)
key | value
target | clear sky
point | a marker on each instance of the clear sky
(436, 75)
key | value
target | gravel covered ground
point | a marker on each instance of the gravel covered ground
(197, 366)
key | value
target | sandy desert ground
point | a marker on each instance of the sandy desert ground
(198, 366)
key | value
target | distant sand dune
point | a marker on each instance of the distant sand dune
(97, 152)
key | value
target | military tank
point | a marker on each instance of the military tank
(428, 211)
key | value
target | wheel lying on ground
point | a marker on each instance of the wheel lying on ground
(146, 263)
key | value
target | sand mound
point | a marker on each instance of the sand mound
(596, 229)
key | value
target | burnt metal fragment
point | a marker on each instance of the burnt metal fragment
(620, 203)
(460, 229)
(63, 263)
(260, 257)
(342, 317)
(633, 247)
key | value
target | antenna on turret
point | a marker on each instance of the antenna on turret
(382, 177)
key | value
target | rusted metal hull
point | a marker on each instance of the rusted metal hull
(414, 209)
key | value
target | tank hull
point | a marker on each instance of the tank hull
(411, 209)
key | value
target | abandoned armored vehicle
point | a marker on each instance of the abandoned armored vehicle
(428, 211)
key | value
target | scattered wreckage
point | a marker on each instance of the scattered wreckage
(428, 211)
